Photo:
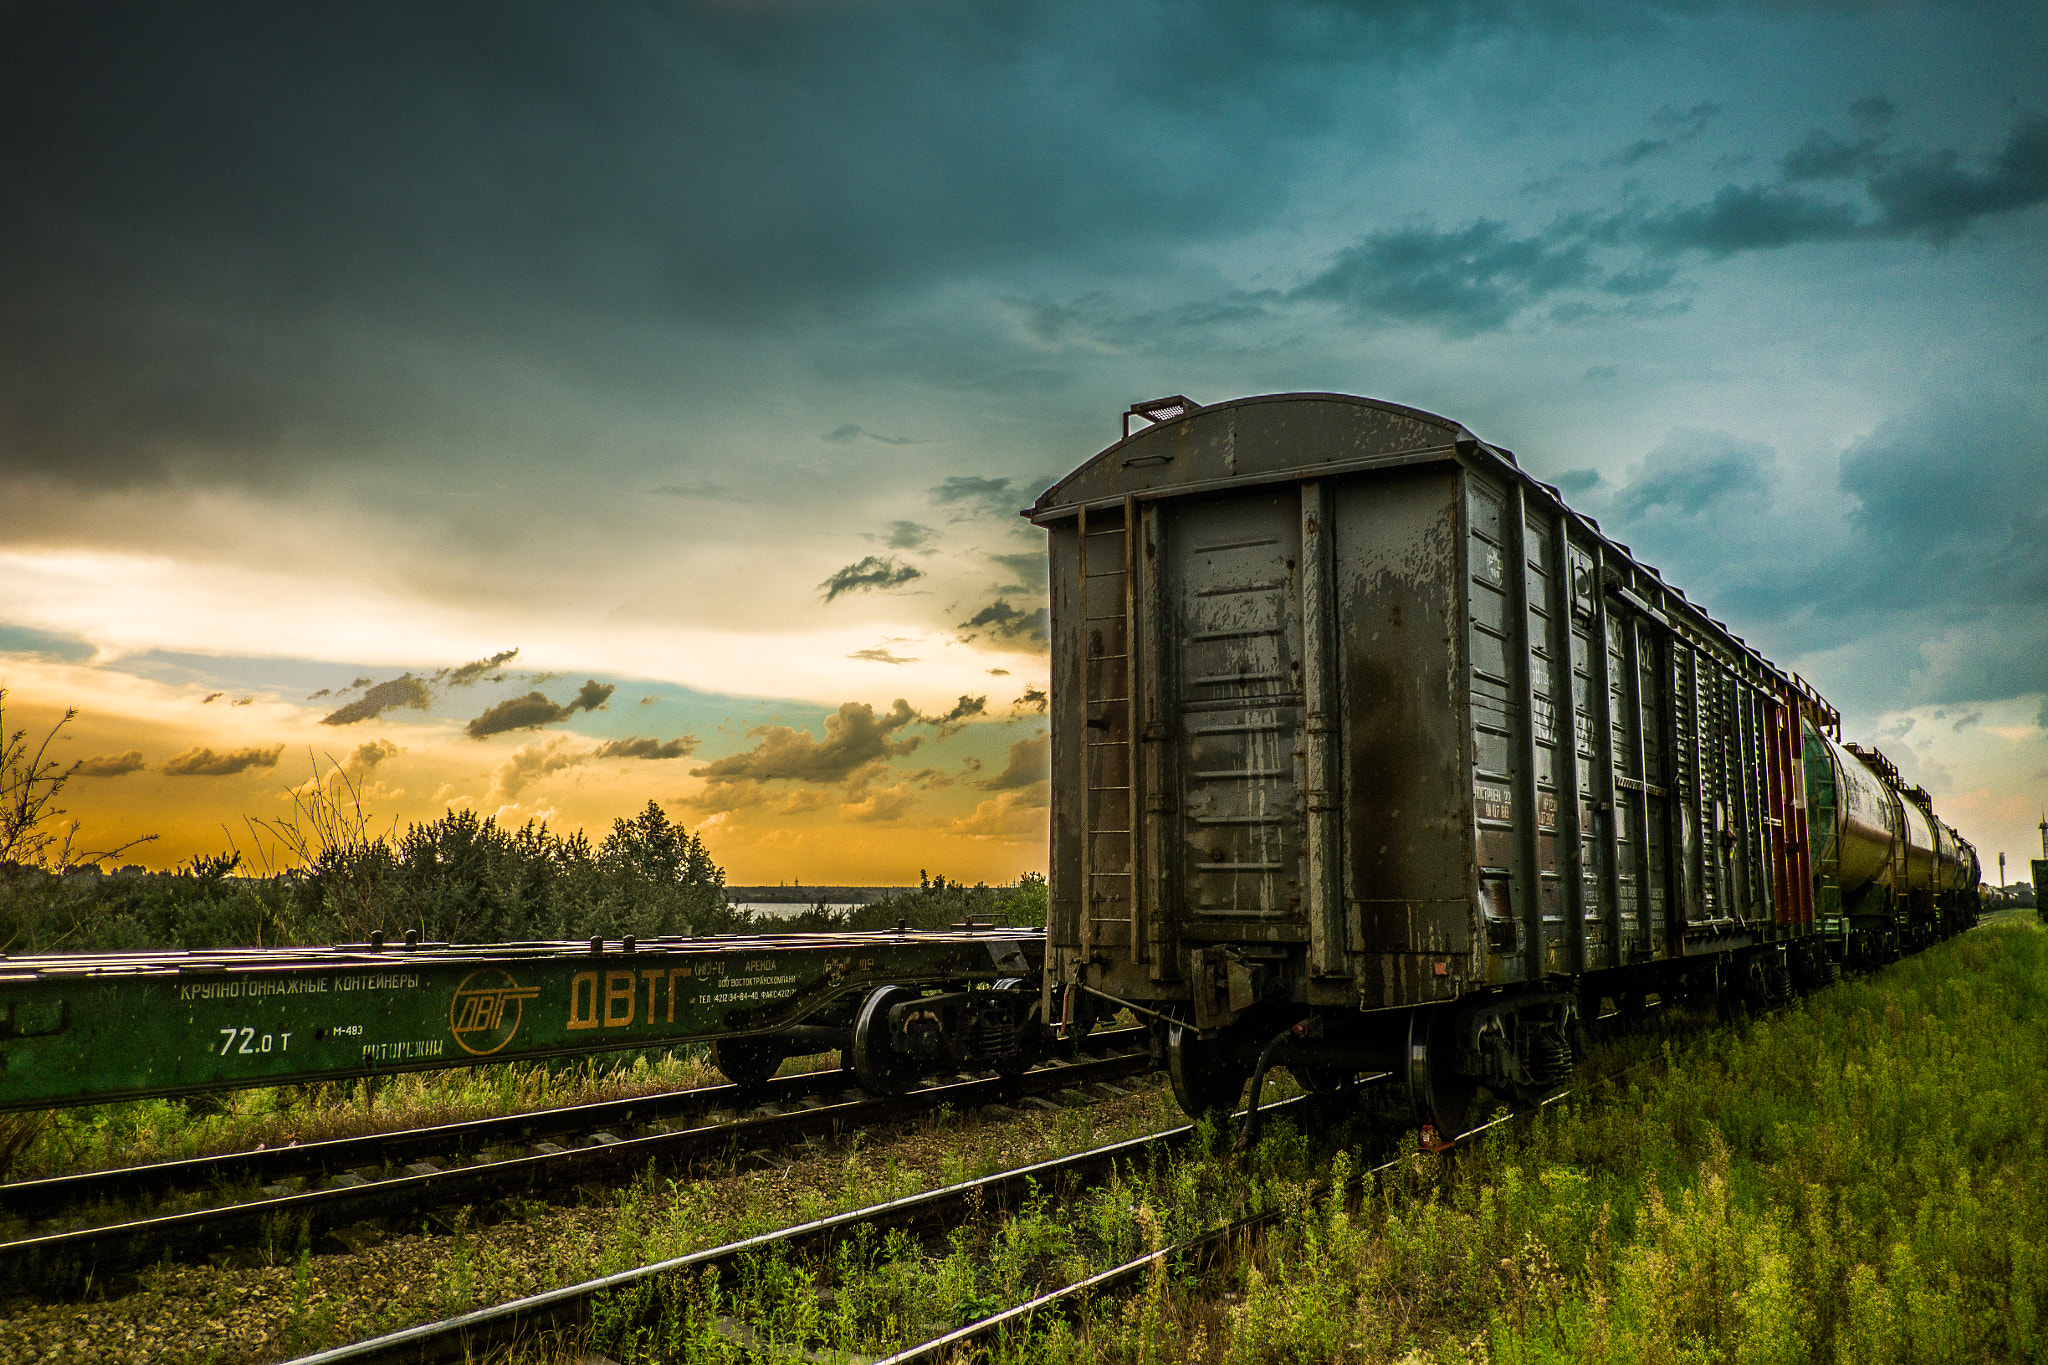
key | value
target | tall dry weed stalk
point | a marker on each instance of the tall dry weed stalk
(327, 837)
(37, 846)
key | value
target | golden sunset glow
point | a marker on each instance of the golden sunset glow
(631, 414)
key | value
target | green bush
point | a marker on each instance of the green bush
(460, 878)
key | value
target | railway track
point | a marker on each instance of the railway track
(55, 1197)
(1067, 1301)
(563, 1312)
(475, 1168)
(559, 1315)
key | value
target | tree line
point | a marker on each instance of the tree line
(460, 878)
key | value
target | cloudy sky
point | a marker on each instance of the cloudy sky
(549, 409)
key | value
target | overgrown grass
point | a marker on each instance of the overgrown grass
(878, 1291)
(136, 1132)
(1860, 1178)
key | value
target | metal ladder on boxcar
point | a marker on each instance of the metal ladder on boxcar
(1109, 847)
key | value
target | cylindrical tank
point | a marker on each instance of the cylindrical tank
(1951, 868)
(1865, 824)
(1919, 831)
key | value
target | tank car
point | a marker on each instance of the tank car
(1368, 753)
(1891, 876)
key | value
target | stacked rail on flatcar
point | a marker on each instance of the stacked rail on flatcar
(1367, 748)
(77, 1028)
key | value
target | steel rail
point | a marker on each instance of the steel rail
(1121, 1278)
(332, 1156)
(28, 1199)
(566, 1309)
(504, 1325)
(66, 1261)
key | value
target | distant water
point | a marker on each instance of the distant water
(789, 909)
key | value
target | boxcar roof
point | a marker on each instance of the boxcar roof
(1279, 437)
(1263, 439)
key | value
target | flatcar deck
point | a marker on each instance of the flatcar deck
(85, 1028)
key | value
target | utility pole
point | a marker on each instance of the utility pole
(2001, 872)
(2040, 871)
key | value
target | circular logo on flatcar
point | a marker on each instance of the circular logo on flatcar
(486, 1010)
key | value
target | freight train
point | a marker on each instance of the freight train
(1369, 753)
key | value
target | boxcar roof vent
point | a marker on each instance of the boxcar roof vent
(1159, 410)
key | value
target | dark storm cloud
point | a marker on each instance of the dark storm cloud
(1464, 280)
(111, 765)
(1006, 622)
(1034, 699)
(1030, 763)
(1931, 195)
(534, 710)
(680, 747)
(206, 763)
(475, 670)
(1684, 507)
(872, 574)
(1934, 196)
(517, 713)
(1481, 276)
(1752, 218)
(1823, 156)
(405, 690)
(1921, 576)
(994, 497)
(855, 739)
(907, 535)
(1683, 126)
(229, 231)
(952, 721)
(1697, 471)
(841, 435)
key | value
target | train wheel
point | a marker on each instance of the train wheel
(748, 1062)
(879, 1066)
(1205, 1078)
(1443, 1099)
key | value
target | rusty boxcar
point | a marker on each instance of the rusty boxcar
(1369, 753)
